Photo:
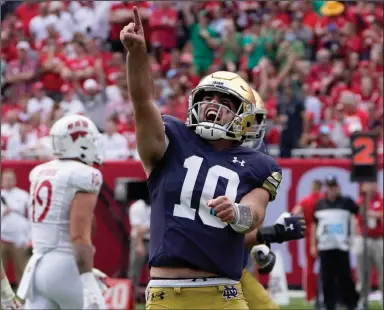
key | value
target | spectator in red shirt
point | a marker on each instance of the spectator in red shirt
(52, 62)
(350, 39)
(81, 67)
(26, 11)
(306, 207)
(324, 140)
(114, 67)
(375, 233)
(322, 67)
(163, 25)
(8, 46)
(121, 14)
(175, 107)
(356, 118)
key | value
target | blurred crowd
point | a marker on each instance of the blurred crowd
(318, 65)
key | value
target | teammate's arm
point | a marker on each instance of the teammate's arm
(287, 228)
(150, 135)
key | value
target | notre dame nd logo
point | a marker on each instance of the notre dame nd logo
(229, 292)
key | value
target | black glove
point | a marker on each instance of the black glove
(287, 228)
(264, 258)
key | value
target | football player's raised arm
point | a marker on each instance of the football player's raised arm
(150, 135)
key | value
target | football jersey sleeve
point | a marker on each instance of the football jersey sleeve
(269, 174)
(175, 129)
(87, 179)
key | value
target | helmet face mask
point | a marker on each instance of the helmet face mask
(214, 120)
(76, 137)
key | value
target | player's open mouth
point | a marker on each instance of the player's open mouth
(212, 115)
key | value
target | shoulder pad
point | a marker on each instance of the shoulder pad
(87, 179)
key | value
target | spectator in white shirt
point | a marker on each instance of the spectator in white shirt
(15, 228)
(114, 143)
(91, 18)
(70, 104)
(38, 24)
(21, 145)
(139, 217)
(11, 125)
(40, 102)
(44, 149)
(63, 21)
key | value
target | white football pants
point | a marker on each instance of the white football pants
(56, 283)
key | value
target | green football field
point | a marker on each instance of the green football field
(297, 304)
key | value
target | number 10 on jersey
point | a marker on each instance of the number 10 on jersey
(185, 210)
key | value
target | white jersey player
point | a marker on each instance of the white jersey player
(63, 197)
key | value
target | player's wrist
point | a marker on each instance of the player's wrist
(6, 290)
(89, 282)
(243, 218)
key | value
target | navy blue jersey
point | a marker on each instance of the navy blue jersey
(191, 172)
(261, 148)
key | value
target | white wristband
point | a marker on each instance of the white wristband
(243, 218)
(89, 282)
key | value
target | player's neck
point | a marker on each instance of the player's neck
(220, 145)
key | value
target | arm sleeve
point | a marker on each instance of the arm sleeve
(271, 176)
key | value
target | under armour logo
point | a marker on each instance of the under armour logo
(235, 160)
(290, 227)
(158, 295)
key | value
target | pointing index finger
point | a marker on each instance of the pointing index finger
(136, 17)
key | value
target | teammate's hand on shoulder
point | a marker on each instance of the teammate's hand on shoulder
(132, 35)
(294, 226)
(222, 207)
(264, 258)
(11, 304)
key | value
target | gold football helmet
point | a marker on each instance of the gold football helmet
(255, 136)
(227, 83)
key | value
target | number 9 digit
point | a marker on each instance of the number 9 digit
(36, 199)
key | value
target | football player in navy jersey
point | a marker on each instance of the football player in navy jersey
(207, 189)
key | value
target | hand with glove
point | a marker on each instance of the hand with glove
(101, 279)
(264, 258)
(287, 228)
(93, 298)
